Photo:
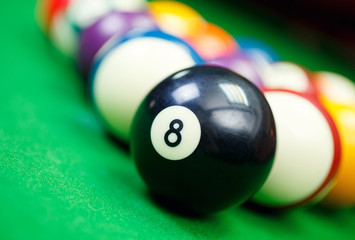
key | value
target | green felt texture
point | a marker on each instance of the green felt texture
(61, 177)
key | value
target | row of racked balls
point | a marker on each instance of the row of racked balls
(205, 137)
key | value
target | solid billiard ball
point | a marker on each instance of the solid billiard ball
(213, 42)
(130, 69)
(289, 76)
(67, 25)
(204, 139)
(241, 64)
(307, 152)
(176, 18)
(337, 95)
(110, 28)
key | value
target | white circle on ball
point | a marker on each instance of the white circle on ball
(175, 133)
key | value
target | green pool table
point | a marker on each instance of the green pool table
(61, 177)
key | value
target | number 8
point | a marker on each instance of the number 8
(176, 131)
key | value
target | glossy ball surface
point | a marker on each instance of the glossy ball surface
(213, 42)
(334, 87)
(260, 52)
(342, 194)
(176, 18)
(67, 25)
(47, 9)
(258, 49)
(204, 138)
(241, 64)
(307, 153)
(109, 29)
(288, 76)
(123, 75)
(337, 94)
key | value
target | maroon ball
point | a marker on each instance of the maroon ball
(109, 28)
(241, 64)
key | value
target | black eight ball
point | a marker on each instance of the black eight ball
(204, 139)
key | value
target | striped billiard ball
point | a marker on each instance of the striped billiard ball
(122, 77)
(307, 152)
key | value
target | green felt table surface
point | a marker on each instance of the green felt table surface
(61, 177)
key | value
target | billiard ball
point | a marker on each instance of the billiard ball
(110, 28)
(47, 9)
(204, 139)
(336, 88)
(176, 18)
(130, 69)
(337, 95)
(307, 152)
(289, 76)
(42, 14)
(241, 64)
(213, 42)
(259, 50)
(342, 194)
(80, 14)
